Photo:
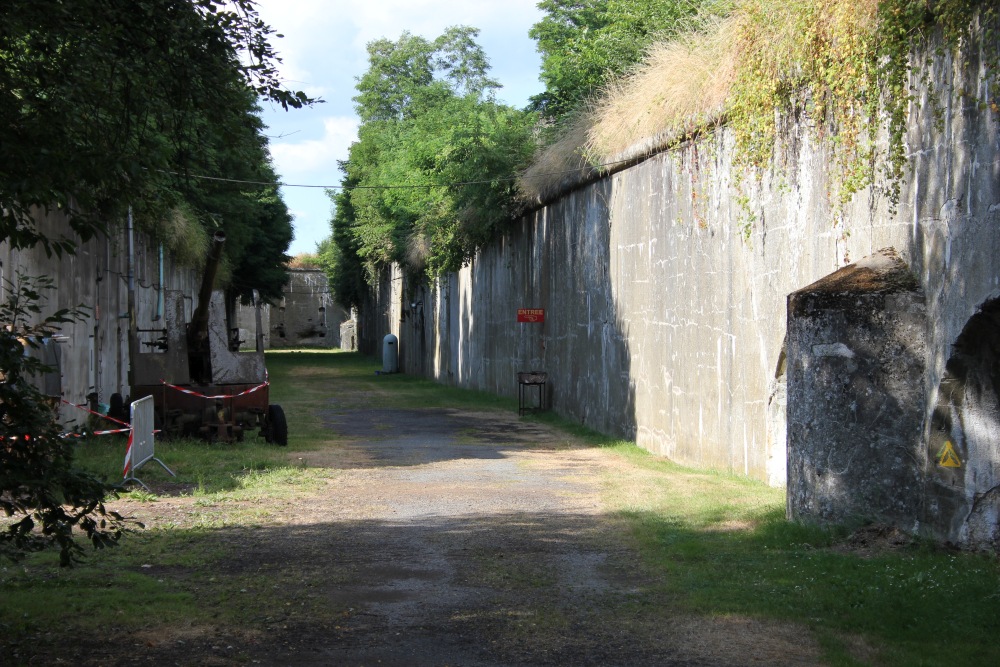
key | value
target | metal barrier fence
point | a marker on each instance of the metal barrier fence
(141, 444)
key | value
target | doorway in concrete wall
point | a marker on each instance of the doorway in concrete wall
(963, 447)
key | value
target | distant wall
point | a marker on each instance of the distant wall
(94, 355)
(306, 315)
(664, 323)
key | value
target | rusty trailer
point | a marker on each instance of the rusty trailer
(202, 384)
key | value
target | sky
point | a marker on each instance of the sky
(323, 52)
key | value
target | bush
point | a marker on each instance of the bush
(39, 487)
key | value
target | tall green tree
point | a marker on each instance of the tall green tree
(430, 178)
(254, 217)
(585, 43)
(342, 263)
(102, 101)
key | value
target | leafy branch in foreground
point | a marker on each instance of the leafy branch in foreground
(42, 493)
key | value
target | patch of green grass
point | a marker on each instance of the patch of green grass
(40, 604)
(236, 470)
(722, 546)
(579, 432)
(151, 580)
(160, 578)
(358, 377)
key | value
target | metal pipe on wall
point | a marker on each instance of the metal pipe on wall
(159, 290)
(131, 290)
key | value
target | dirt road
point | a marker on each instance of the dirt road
(440, 537)
(455, 538)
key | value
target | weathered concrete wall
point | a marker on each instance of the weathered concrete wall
(95, 350)
(856, 395)
(349, 335)
(665, 296)
(963, 448)
(306, 316)
(94, 356)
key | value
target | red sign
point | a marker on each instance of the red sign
(530, 314)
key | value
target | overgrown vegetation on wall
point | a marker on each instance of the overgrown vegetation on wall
(843, 65)
(587, 43)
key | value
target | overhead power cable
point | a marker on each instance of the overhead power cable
(384, 187)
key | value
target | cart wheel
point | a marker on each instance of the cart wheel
(276, 429)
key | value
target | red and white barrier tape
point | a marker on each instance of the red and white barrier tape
(191, 392)
(70, 434)
(128, 427)
(80, 407)
(128, 455)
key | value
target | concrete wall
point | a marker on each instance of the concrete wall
(94, 351)
(856, 395)
(306, 316)
(666, 323)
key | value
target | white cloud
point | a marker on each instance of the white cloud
(320, 35)
(296, 161)
(389, 18)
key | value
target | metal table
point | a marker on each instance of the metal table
(526, 381)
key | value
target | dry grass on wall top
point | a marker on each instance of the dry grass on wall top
(561, 163)
(681, 87)
(182, 235)
(305, 260)
(842, 63)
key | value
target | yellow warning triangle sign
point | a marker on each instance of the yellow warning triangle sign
(948, 457)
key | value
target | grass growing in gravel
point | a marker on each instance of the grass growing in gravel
(249, 467)
(178, 572)
(713, 544)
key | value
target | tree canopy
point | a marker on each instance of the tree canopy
(111, 103)
(430, 177)
(585, 43)
(106, 105)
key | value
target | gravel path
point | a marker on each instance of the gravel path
(439, 537)
(478, 539)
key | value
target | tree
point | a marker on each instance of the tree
(585, 43)
(37, 480)
(346, 271)
(255, 219)
(430, 178)
(101, 101)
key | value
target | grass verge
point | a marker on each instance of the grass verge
(721, 546)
